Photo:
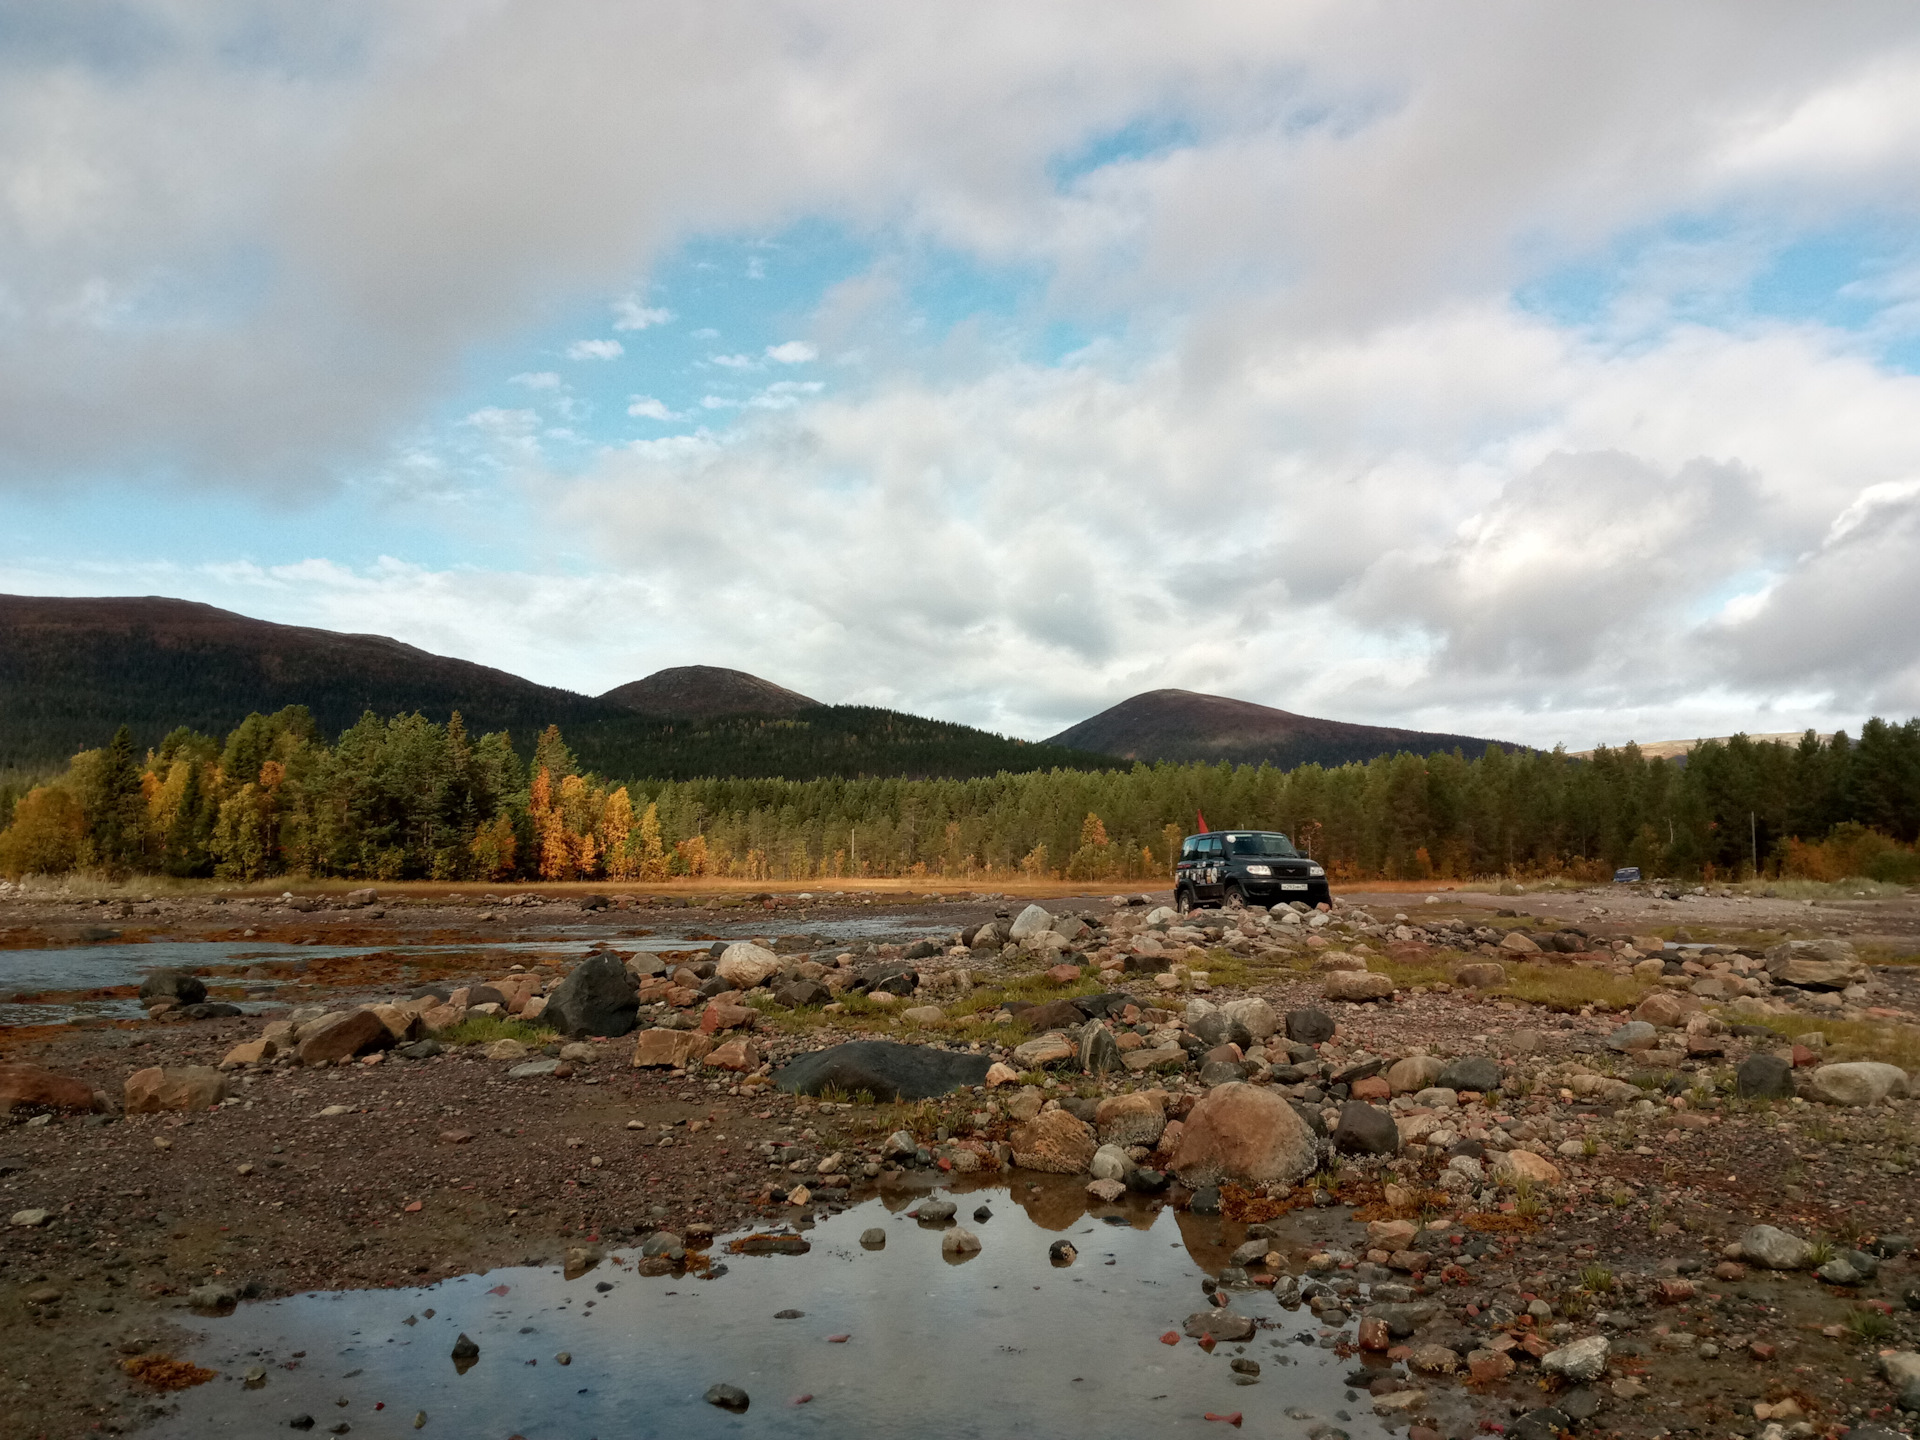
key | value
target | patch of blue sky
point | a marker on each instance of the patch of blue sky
(1139, 139)
(77, 527)
(1726, 273)
(729, 325)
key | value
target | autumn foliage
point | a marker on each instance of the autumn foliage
(404, 798)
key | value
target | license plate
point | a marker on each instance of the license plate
(1293, 885)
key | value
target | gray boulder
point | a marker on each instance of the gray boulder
(890, 1071)
(1470, 1072)
(1365, 1130)
(1030, 922)
(1309, 1026)
(1764, 1077)
(600, 997)
(1857, 1082)
(1099, 1051)
(1772, 1248)
(801, 992)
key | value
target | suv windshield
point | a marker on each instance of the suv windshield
(1274, 844)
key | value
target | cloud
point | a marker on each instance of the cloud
(630, 314)
(193, 301)
(645, 407)
(1312, 450)
(596, 350)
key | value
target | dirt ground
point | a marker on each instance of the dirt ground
(390, 1173)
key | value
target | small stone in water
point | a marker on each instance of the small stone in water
(565, 1357)
(727, 1397)
(874, 1238)
(983, 1213)
(1062, 1253)
(466, 1354)
(419, 1419)
(788, 1314)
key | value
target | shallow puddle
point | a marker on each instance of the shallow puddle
(891, 1341)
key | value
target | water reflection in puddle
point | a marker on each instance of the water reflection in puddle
(997, 1345)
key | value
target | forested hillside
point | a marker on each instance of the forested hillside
(72, 671)
(406, 797)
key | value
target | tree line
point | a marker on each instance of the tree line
(407, 798)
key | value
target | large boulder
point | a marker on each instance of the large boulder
(1774, 1248)
(1238, 1131)
(1470, 1072)
(1667, 1010)
(174, 985)
(1365, 1130)
(1053, 1048)
(1309, 1026)
(1032, 921)
(1518, 942)
(1357, 985)
(185, 1087)
(1054, 1141)
(1764, 1077)
(341, 1036)
(744, 965)
(31, 1087)
(1136, 1119)
(1857, 1082)
(1415, 1073)
(888, 1070)
(1253, 1015)
(1815, 964)
(600, 997)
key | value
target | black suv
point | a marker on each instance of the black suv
(1245, 867)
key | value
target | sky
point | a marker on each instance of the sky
(1542, 372)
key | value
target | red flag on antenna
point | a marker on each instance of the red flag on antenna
(1201, 815)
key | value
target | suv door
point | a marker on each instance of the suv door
(1210, 874)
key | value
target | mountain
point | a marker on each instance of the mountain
(1182, 725)
(700, 692)
(74, 670)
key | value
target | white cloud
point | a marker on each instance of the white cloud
(1317, 390)
(645, 407)
(630, 314)
(596, 350)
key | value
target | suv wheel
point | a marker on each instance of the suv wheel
(1183, 901)
(1235, 898)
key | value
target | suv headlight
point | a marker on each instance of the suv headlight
(1259, 870)
(1315, 871)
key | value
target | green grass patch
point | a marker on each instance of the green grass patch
(1846, 1039)
(485, 1029)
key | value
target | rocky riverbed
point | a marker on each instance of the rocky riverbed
(1633, 1161)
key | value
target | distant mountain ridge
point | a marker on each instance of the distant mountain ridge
(703, 691)
(73, 670)
(1186, 725)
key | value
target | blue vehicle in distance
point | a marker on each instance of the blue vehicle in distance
(1627, 875)
(1237, 868)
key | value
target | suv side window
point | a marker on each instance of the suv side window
(1190, 850)
(1210, 848)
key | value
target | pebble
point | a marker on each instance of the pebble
(728, 1397)
(873, 1238)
